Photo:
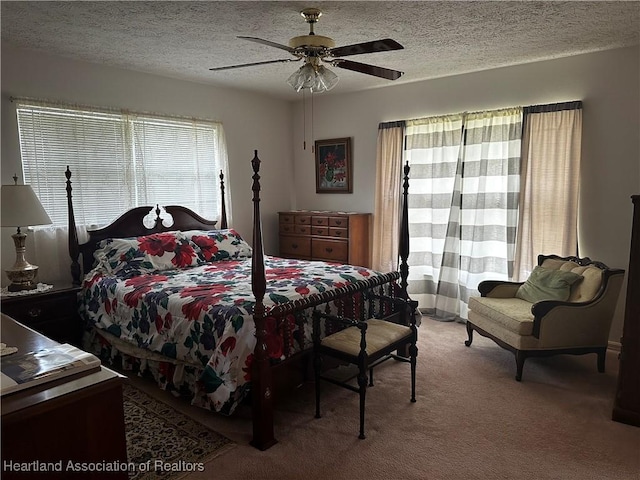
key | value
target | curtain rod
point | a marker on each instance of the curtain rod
(108, 110)
(396, 124)
(553, 107)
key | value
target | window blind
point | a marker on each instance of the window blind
(119, 160)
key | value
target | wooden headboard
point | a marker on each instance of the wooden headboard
(132, 224)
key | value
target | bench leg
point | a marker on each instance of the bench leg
(414, 354)
(317, 365)
(362, 384)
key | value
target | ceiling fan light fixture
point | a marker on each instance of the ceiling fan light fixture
(325, 79)
(302, 78)
(316, 78)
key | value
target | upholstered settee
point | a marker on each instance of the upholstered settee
(523, 318)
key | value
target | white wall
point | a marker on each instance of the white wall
(608, 84)
(251, 122)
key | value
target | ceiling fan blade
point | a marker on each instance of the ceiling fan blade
(368, 69)
(383, 45)
(216, 69)
(269, 43)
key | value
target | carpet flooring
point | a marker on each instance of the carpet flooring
(471, 421)
(163, 442)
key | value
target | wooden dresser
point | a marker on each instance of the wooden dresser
(340, 237)
(626, 407)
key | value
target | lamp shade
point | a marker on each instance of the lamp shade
(21, 207)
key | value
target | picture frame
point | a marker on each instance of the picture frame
(334, 166)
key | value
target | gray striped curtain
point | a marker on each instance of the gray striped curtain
(463, 206)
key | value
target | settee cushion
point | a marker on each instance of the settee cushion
(548, 284)
(514, 314)
(584, 290)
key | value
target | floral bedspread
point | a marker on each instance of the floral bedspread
(202, 315)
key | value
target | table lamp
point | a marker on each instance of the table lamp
(21, 207)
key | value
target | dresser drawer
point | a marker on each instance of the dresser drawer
(322, 231)
(53, 313)
(303, 220)
(339, 232)
(303, 229)
(298, 246)
(286, 218)
(287, 228)
(332, 250)
(342, 222)
(41, 310)
(319, 221)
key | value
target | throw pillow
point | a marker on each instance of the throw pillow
(547, 284)
(149, 253)
(214, 245)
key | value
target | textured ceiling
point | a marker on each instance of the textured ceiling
(184, 39)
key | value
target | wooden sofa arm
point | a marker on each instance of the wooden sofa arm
(540, 309)
(498, 288)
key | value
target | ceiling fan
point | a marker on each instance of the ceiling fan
(316, 51)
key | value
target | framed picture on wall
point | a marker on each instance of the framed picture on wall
(333, 166)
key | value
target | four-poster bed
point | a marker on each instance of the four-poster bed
(206, 313)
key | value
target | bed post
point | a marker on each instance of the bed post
(223, 218)
(403, 248)
(74, 249)
(261, 381)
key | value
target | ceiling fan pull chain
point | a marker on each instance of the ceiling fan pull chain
(304, 121)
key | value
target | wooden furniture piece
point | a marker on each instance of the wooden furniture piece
(329, 236)
(626, 407)
(367, 344)
(267, 319)
(577, 326)
(79, 418)
(54, 312)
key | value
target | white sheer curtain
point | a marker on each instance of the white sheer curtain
(464, 206)
(50, 252)
(551, 155)
(119, 160)
(386, 217)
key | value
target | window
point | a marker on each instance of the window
(463, 205)
(489, 191)
(119, 160)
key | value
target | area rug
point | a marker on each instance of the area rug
(163, 443)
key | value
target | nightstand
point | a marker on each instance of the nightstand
(54, 313)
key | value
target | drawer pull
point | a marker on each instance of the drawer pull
(34, 312)
(338, 222)
(294, 245)
(328, 249)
